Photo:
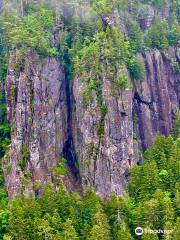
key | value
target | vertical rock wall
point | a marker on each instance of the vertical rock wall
(134, 117)
(104, 161)
(37, 113)
(49, 120)
(159, 96)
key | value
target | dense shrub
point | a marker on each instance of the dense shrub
(32, 32)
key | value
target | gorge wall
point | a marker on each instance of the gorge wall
(50, 121)
(45, 128)
(37, 112)
(134, 117)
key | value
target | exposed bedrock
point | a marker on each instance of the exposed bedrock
(49, 121)
(134, 117)
(157, 98)
(37, 112)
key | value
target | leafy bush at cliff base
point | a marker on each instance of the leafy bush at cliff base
(153, 202)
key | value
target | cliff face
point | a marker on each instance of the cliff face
(37, 112)
(104, 160)
(157, 98)
(40, 106)
(134, 117)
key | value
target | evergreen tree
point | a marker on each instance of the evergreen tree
(176, 230)
(168, 231)
(123, 232)
(148, 236)
(174, 30)
(101, 228)
(150, 181)
(176, 126)
(177, 199)
(69, 233)
(158, 34)
(7, 237)
(135, 36)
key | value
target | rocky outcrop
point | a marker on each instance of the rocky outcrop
(134, 117)
(157, 98)
(104, 161)
(37, 112)
(49, 119)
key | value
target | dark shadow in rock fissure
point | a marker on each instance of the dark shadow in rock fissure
(69, 152)
(70, 156)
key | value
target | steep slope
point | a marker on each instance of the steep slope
(157, 98)
(102, 120)
(37, 112)
(134, 117)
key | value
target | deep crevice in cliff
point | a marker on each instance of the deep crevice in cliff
(70, 156)
(68, 150)
(140, 100)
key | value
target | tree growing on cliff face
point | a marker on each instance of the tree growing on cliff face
(32, 32)
(135, 36)
(157, 35)
(174, 30)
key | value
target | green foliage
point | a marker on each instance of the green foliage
(135, 37)
(61, 169)
(157, 35)
(60, 215)
(68, 231)
(174, 30)
(103, 110)
(153, 186)
(4, 216)
(176, 126)
(100, 229)
(32, 32)
(22, 164)
(4, 127)
(123, 232)
(136, 68)
(122, 82)
(4, 133)
(100, 129)
(24, 156)
(103, 6)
